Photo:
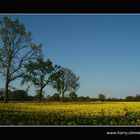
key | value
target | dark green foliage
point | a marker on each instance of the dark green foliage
(19, 95)
(129, 98)
(84, 99)
(55, 97)
(133, 98)
(73, 96)
(101, 97)
(137, 97)
(1, 94)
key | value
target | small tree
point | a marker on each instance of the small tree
(19, 95)
(73, 96)
(55, 97)
(101, 97)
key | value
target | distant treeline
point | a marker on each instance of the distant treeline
(22, 95)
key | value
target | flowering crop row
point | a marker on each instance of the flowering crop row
(107, 113)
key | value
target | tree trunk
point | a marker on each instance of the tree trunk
(40, 94)
(7, 86)
(6, 91)
(62, 99)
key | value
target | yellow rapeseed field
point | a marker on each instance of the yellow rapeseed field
(56, 113)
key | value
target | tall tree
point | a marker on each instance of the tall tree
(15, 50)
(66, 81)
(39, 73)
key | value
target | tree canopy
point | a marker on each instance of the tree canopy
(66, 81)
(39, 73)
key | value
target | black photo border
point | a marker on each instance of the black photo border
(67, 7)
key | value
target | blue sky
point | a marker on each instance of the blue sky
(103, 49)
